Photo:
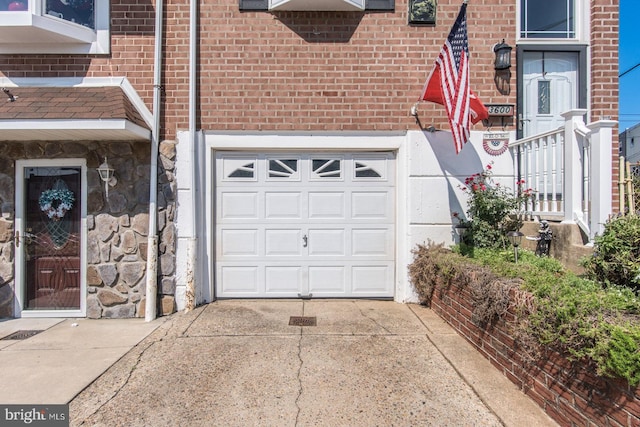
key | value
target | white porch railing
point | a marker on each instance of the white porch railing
(570, 171)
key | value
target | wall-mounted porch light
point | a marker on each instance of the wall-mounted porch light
(106, 175)
(503, 56)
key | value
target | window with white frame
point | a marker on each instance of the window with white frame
(80, 12)
(548, 19)
(54, 26)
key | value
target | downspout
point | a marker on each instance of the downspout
(152, 240)
(190, 293)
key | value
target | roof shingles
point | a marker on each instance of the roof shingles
(69, 103)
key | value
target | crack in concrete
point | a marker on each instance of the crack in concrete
(127, 379)
(300, 388)
(372, 319)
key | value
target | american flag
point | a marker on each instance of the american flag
(448, 83)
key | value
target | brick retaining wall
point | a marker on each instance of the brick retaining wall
(571, 395)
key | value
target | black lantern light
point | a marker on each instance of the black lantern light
(503, 56)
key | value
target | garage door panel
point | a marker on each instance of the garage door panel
(372, 280)
(283, 279)
(283, 242)
(326, 242)
(279, 205)
(234, 205)
(371, 242)
(327, 279)
(325, 205)
(370, 205)
(239, 279)
(239, 242)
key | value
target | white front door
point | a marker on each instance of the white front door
(550, 88)
(300, 224)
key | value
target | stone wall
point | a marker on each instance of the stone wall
(117, 224)
(6, 266)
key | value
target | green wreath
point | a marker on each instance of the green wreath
(56, 203)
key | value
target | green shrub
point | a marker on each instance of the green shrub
(575, 316)
(616, 258)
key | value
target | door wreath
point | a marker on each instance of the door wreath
(56, 202)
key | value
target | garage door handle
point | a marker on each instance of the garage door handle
(305, 241)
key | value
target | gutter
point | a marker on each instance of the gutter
(151, 289)
(190, 292)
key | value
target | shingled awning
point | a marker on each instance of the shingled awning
(70, 113)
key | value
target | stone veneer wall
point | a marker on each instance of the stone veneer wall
(117, 226)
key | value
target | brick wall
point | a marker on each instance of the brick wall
(570, 394)
(311, 71)
(334, 71)
(604, 76)
(132, 41)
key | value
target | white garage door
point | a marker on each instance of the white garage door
(290, 225)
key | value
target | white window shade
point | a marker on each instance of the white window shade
(317, 5)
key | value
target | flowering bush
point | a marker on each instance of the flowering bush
(493, 210)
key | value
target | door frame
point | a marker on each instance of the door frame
(311, 143)
(19, 275)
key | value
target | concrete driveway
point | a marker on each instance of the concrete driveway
(365, 363)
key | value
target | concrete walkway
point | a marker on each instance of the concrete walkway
(366, 363)
(53, 366)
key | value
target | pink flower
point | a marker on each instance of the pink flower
(489, 167)
(484, 187)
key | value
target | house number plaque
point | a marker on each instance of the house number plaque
(501, 110)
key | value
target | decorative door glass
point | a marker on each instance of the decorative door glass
(51, 238)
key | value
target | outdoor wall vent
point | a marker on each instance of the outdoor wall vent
(317, 5)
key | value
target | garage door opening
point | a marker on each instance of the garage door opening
(299, 224)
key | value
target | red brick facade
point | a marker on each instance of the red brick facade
(310, 71)
(304, 71)
(332, 71)
(604, 72)
(570, 394)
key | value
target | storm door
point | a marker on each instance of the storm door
(49, 238)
